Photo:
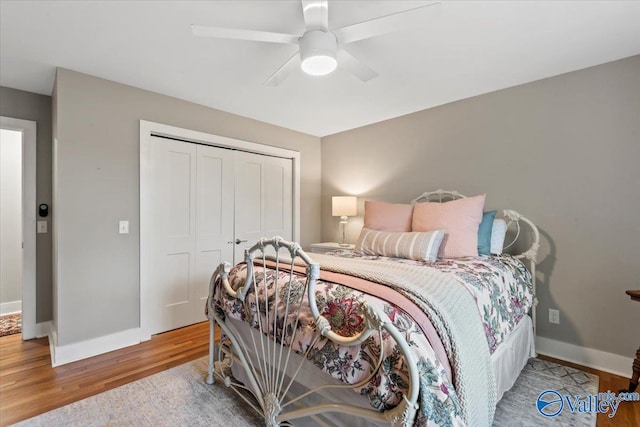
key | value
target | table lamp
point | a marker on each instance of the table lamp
(344, 207)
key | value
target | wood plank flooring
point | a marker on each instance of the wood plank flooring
(30, 386)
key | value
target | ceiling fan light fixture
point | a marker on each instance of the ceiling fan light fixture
(318, 52)
(319, 65)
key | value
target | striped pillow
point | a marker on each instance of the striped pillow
(419, 246)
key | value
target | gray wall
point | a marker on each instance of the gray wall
(563, 151)
(10, 216)
(30, 106)
(96, 184)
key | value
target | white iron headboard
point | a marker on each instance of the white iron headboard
(513, 218)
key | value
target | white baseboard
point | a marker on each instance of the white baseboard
(63, 354)
(43, 329)
(10, 307)
(590, 357)
(53, 339)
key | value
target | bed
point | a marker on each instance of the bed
(373, 338)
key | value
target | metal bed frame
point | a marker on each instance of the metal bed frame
(266, 358)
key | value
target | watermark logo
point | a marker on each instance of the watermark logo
(551, 403)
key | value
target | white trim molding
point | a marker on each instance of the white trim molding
(29, 131)
(63, 354)
(10, 307)
(43, 329)
(589, 357)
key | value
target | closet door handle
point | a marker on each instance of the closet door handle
(237, 241)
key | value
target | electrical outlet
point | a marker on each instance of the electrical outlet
(554, 316)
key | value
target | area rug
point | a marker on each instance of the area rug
(518, 406)
(180, 397)
(10, 324)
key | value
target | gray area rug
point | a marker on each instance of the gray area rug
(180, 397)
(517, 408)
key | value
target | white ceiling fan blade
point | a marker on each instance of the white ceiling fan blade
(241, 34)
(408, 19)
(316, 14)
(355, 66)
(282, 72)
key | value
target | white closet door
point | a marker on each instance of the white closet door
(174, 213)
(263, 199)
(192, 223)
(214, 219)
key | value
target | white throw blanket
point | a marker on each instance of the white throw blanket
(455, 316)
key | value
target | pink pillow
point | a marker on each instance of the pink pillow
(387, 216)
(459, 218)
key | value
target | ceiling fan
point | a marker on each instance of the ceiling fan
(321, 48)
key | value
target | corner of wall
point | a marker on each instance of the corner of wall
(63, 354)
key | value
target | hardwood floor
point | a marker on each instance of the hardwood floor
(30, 386)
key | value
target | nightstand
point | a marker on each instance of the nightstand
(321, 248)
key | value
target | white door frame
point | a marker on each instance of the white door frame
(149, 129)
(29, 131)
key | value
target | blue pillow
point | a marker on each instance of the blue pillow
(484, 233)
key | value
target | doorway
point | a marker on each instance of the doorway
(18, 221)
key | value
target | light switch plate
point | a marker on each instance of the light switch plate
(124, 227)
(42, 227)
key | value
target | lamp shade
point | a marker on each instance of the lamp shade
(344, 206)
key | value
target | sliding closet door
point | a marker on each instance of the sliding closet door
(263, 199)
(192, 221)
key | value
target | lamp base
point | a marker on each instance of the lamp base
(343, 232)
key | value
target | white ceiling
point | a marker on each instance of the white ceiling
(464, 49)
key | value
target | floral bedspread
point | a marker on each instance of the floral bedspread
(500, 284)
(501, 305)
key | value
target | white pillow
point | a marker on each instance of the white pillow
(498, 232)
(420, 246)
